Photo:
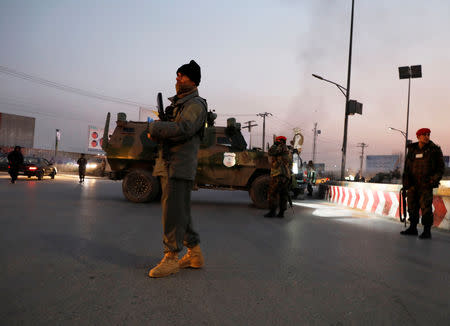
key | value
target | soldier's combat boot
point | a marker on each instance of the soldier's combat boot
(281, 213)
(167, 266)
(426, 234)
(412, 230)
(193, 258)
(271, 213)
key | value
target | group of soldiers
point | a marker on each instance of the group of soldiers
(424, 168)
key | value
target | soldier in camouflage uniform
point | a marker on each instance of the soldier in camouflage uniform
(424, 167)
(176, 166)
(280, 174)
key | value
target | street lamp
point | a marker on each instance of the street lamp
(408, 72)
(351, 107)
(341, 88)
(407, 142)
(401, 131)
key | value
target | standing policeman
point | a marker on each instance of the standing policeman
(179, 135)
(280, 173)
(424, 167)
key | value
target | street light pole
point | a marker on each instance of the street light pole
(57, 136)
(409, 72)
(407, 116)
(347, 97)
(346, 92)
(406, 140)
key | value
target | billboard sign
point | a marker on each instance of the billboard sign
(95, 139)
(16, 130)
(382, 163)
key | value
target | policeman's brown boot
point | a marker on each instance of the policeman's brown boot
(167, 266)
(412, 230)
(193, 258)
(426, 234)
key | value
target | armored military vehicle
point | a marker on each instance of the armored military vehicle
(224, 163)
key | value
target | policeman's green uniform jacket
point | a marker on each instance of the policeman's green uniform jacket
(181, 137)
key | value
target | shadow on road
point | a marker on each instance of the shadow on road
(88, 252)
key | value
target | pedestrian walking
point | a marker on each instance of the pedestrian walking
(280, 177)
(179, 138)
(424, 167)
(311, 177)
(82, 162)
(15, 160)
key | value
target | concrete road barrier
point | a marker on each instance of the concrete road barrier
(383, 199)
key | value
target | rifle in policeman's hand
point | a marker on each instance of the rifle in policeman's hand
(402, 202)
(290, 203)
(402, 194)
(289, 197)
(159, 102)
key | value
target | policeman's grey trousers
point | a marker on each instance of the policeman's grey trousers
(420, 198)
(176, 214)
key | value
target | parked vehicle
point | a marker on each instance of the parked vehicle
(224, 163)
(38, 167)
(4, 162)
(96, 166)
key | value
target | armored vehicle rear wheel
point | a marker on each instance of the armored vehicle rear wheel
(259, 190)
(140, 186)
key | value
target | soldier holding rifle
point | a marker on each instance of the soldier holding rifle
(179, 133)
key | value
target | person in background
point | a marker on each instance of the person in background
(424, 167)
(311, 177)
(15, 160)
(82, 162)
(280, 177)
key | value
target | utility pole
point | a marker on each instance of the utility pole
(249, 126)
(264, 115)
(362, 145)
(57, 138)
(316, 132)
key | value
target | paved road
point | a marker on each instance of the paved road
(75, 254)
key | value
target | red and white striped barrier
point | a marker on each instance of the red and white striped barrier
(385, 203)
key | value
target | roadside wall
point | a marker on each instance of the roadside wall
(383, 199)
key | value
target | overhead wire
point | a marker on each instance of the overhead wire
(33, 107)
(66, 88)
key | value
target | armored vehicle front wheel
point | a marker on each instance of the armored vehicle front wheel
(140, 186)
(259, 190)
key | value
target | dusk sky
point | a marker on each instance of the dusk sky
(255, 56)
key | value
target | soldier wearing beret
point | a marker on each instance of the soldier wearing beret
(179, 135)
(280, 173)
(424, 167)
